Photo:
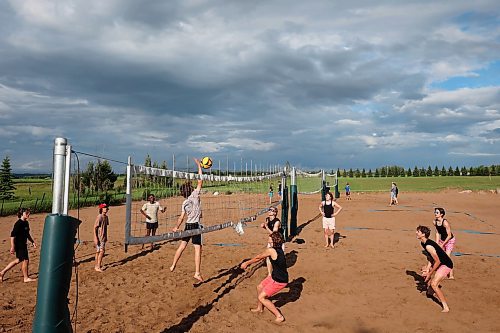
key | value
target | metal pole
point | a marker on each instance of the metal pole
(58, 176)
(66, 180)
(128, 204)
(294, 203)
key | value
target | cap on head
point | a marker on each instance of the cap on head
(103, 205)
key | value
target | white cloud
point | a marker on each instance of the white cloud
(348, 122)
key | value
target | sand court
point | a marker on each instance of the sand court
(369, 283)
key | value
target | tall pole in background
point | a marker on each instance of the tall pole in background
(294, 202)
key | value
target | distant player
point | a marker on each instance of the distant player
(348, 191)
(150, 211)
(101, 235)
(439, 264)
(444, 236)
(326, 208)
(271, 193)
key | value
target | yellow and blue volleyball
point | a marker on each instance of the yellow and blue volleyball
(206, 162)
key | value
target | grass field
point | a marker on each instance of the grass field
(37, 193)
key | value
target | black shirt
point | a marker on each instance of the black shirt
(280, 273)
(443, 257)
(21, 233)
(441, 229)
(328, 209)
(271, 223)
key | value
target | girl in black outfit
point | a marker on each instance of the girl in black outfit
(444, 236)
(271, 225)
(441, 264)
(18, 244)
(276, 281)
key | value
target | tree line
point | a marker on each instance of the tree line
(398, 171)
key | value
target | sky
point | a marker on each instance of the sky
(320, 84)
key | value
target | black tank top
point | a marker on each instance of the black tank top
(328, 209)
(280, 273)
(271, 223)
(441, 229)
(443, 257)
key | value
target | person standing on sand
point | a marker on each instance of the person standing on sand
(18, 244)
(394, 198)
(444, 236)
(192, 208)
(348, 191)
(326, 208)
(275, 282)
(101, 235)
(441, 265)
(150, 211)
(271, 194)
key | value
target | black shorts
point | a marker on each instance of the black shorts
(150, 226)
(22, 252)
(196, 239)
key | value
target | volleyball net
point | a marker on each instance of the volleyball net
(226, 201)
(313, 183)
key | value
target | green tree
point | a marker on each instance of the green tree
(377, 174)
(443, 171)
(351, 173)
(416, 172)
(6, 183)
(370, 173)
(408, 173)
(363, 173)
(105, 176)
(456, 172)
(436, 172)
(147, 161)
(357, 174)
(429, 171)
(450, 171)
(383, 172)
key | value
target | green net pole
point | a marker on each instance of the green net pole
(337, 193)
(284, 212)
(54, 274)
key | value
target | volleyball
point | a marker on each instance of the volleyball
(206, 162)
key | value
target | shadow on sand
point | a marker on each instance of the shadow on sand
(235, 275)
(422, 286)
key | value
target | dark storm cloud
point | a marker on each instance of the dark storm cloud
(270, 81)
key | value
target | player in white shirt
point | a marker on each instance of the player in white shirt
(150, 211)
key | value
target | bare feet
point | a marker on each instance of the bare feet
(326, 245)
(1, 276)
(172, 268)
(198, 277)
(445, 308)
(98, 269)
(332, 246)
(280, 319)
(256, 310)
(29, 280)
